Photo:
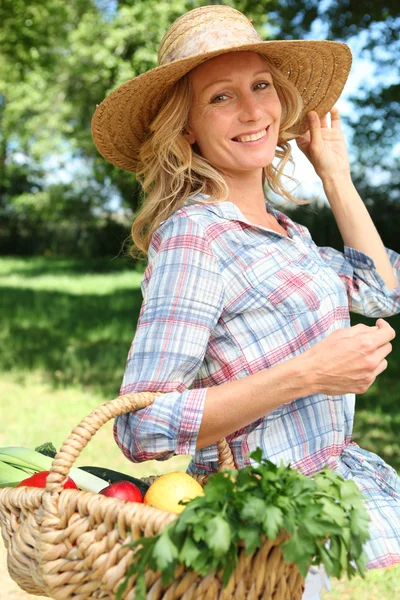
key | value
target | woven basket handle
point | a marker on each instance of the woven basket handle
(83, 433)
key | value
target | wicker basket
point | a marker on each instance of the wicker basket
(70, 544)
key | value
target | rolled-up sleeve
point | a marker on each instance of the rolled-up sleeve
(366, 290)
(183, 298)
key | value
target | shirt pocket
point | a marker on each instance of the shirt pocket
(289, 287)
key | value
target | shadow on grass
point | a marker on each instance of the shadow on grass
(74, 340)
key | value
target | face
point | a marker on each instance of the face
(235, 113)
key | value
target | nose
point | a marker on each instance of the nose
(250, 110)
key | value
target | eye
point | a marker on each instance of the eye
(219, 98)
(263, 85)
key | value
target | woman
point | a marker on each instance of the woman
(245, 322)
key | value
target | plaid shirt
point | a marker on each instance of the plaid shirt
(223, 299)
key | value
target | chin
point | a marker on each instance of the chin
(256, 162)
(260, 164)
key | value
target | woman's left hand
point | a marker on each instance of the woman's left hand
(324, 146)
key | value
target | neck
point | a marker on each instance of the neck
(247, 193)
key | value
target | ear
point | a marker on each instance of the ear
(189, 136)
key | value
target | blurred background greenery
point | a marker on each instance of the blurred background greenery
(69, 293)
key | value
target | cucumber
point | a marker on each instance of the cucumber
(111, 476)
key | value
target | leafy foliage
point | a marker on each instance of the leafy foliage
(324, 517)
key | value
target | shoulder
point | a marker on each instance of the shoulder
(187, 228)
(191, 221)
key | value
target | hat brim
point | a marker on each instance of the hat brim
(120, 124)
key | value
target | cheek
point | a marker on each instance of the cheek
(278, 117)
(213, 121)
(276, 106)
(276, 113)
(211, 129)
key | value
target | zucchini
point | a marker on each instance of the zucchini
(111, 476)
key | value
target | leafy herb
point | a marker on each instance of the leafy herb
(47, 449)
(324, 516)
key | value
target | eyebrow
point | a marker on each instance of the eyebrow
(217, 81)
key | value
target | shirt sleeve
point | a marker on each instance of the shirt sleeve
(367, 292)
(183, 298)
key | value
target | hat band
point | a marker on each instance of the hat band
(217, 36)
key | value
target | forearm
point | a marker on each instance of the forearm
(230, 406)
(356, 226)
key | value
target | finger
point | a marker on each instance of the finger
(386, 349)
(380, 368)
(378, 336)
(382, 352)
(363, 328)
(314, 126)
(383, 335)
(313, 119)
(335, 118)
(324, 121)
(382, 324)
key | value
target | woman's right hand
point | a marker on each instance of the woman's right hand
(349, 360)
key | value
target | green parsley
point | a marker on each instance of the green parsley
(324, 515)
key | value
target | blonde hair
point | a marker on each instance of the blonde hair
(171, 170)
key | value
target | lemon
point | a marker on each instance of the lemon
(169, 489)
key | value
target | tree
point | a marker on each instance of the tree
(34, 40)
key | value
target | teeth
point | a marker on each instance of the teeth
(251, 138)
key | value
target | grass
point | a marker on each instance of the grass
(51, 415)
(379, 584)
(73, 327)
(65, 334)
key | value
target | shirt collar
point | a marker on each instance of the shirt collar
(229, 210)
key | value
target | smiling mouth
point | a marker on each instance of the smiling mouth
(252, 137)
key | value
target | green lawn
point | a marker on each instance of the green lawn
(66, 328)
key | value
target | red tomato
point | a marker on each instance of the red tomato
(124, 490)
(39, 480)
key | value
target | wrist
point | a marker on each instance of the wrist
(336, 180)
(294, 378)
(305, 375)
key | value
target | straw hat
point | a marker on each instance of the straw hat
(318, 69)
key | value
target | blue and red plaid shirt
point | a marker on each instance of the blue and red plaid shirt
(223, 299)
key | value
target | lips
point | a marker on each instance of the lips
(251, 137)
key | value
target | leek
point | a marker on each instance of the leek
(10, 476)
(15, 459)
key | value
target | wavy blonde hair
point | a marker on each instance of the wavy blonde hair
(171, 170)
